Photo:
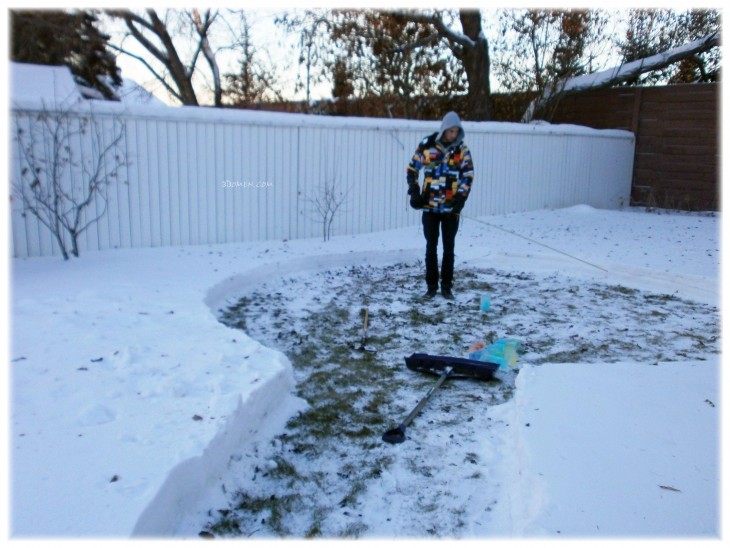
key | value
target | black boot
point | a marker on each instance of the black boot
(430, 293)
(447, 294)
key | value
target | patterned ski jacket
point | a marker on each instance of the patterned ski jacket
(448, 169)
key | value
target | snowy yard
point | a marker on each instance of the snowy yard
(134, 410)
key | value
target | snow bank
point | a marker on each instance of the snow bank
(616, 450)
(634, 248)
(123, 382)
(34, 84)
(265, 409)
(227, 291)
(127, 393)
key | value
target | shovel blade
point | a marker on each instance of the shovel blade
(460, 367)
(396, 435)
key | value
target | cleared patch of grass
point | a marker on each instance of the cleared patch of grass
(331, 453)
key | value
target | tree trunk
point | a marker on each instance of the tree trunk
(472, 50)
(476, 65)
(177, 69)
(182, 78)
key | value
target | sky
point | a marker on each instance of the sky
(274, 47)
(279, 50)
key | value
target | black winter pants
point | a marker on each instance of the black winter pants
(447, 224)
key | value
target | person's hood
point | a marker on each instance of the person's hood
(451, 120)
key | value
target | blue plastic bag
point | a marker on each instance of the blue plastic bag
(502, 352)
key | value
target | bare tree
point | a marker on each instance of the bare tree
(652, 31)
(470, 47)
(326, 204)
(315, 48)
(202, 27)
(400, 53)
(155, 35)
(254, 82)
(536, 47)
(616, 75)
(63, 187)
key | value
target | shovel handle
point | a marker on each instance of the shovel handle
(425, 398)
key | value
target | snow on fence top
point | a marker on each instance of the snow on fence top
(292, 120)
(198, 175)
(34, 84)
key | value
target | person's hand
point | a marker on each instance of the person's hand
(414, 191)
(457, 204)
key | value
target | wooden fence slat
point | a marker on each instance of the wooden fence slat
(677, 139)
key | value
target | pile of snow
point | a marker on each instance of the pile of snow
(616, 450)
(39, 83)
(55, 85)
(132, 93)
(128, 397)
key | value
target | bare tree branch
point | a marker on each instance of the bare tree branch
(618, 74)
(454, 37)
(131, 20)
(157, 76)
(470, 47)
(49, 155)
(169, 57)
(202, 29)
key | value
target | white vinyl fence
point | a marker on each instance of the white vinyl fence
(197, 175)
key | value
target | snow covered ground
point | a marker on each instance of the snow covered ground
(129, 400)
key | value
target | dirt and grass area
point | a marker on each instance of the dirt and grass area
(329, 474)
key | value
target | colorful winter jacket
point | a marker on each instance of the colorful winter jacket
(448, 169)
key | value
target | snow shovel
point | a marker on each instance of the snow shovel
(362, 346)
(446, 367)
(398, 434)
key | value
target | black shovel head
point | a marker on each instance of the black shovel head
(460, 367)
(396, 435)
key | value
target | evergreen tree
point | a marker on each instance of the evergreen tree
(71, 38)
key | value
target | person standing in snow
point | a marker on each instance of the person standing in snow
(448, 174)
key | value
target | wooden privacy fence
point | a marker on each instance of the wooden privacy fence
(209, 176)
(677, 163)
